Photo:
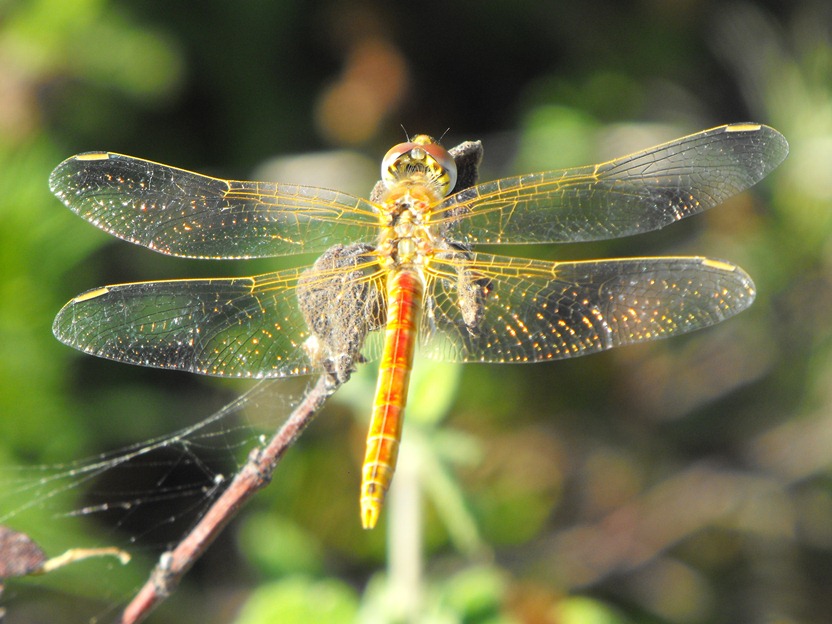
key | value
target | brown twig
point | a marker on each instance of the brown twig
(254, 475)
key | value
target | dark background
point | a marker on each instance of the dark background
(685, 481)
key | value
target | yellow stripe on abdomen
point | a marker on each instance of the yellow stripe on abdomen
(404, 303)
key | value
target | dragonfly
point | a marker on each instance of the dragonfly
(401, 269)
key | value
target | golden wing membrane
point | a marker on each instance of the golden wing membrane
(477, 307)
(187, 214)
(531, 311)
(638, 193)
(237, 327)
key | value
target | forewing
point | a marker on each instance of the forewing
(637, 193)
(181, 213)
(532, 311)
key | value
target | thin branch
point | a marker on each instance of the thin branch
(254, 475)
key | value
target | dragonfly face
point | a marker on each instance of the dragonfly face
(400, 269)
(421, 159)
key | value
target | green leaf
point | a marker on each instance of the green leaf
(299, 601)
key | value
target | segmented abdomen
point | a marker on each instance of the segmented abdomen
(404, 303)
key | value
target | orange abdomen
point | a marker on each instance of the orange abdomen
(404, 303)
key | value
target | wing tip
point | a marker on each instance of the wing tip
(68, 167)
(777, 144)
(738, 275)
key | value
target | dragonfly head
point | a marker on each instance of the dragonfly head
(424, 158)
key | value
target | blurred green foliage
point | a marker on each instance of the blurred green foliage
(297, 601)
(678, 482)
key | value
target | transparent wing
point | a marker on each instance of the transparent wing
(181, 213)
(238, 327)
(481, 308)
(637, 193)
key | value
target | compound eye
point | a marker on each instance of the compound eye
(390, 164)
(422, 156)
(443, 166)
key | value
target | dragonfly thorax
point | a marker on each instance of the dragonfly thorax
(406, 236)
